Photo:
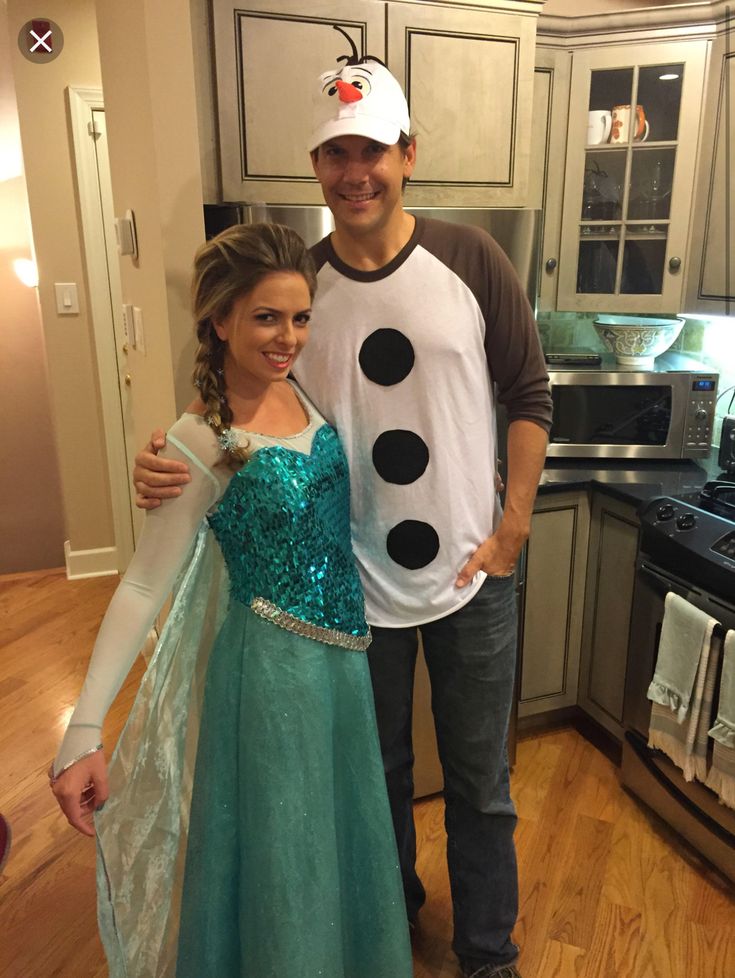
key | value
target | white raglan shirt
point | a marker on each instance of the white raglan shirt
(398, 360)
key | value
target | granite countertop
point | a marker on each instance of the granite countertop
(632, 481)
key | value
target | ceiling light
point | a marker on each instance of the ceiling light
(668, 77)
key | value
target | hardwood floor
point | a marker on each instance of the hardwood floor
(606, 890)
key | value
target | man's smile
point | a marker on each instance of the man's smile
(359, 198)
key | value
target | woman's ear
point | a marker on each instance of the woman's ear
(221, 330)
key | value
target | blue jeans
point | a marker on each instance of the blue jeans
(470, 656)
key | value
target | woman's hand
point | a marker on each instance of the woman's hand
(81, 789)
(157, 478)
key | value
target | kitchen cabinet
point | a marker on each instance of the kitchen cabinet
(554, 601)
(711, 267)
(613, 543)
(468, 78)
(630, 175)
(467, 73)
(552, 75)
(268, 55)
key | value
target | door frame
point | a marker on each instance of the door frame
(82, 103)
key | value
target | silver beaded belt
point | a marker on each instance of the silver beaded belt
(330, 636)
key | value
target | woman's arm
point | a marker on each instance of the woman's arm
(165, 542)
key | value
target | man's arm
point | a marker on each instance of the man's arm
(526, 454)
(517, 367)
(157, 478)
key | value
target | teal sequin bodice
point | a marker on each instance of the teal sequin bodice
(283, 525)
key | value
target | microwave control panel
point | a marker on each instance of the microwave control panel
(700, 416)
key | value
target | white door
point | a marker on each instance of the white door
(103, 274)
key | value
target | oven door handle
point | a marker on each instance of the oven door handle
(670, 583)
(645, 569)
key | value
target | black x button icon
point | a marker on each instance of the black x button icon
(44, 43)
(40, 40)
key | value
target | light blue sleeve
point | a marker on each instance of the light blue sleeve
(163, 548)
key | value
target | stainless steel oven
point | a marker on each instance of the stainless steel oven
(684, 548)
(666, 412)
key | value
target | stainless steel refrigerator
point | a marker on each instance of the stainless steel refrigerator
(518, 233)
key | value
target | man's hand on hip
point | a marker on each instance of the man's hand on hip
(496, 556)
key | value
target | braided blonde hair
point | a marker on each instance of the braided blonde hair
(226, 267)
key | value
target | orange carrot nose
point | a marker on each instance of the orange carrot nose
(348, 92)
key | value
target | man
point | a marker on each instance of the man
(414, 322)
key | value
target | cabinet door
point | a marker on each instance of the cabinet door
(548, 148)
(712, 263)
(554, 599)
(269, 54)
(633, 130)
(608, 601)
(468, 77)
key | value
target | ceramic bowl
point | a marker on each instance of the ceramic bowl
(636, 341)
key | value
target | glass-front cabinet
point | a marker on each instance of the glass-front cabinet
(633, 129)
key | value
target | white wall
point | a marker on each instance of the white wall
(54, 215)
(153, 139)
(31, 517)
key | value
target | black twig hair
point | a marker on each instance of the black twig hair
(354, 58)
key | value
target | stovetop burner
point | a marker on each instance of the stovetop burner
(716, 496)
(693, 537)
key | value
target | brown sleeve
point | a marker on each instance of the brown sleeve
(320, 252)
(514, 354)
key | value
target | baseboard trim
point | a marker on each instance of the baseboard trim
(30, 575)
(101, 562)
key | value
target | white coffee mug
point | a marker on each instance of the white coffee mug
(599, 126)
(621, 123)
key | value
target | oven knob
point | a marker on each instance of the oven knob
(665, 512)
(686, 522)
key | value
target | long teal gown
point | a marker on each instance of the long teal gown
(248, 832)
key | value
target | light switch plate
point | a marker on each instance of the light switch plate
(127, 235)
(138, 335)
(127, 321)
(67, 299)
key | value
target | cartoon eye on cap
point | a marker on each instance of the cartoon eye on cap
(349, 84)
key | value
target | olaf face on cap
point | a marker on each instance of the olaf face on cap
(359, 100)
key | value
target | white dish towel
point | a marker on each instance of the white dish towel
(722, 774)
(683, 686)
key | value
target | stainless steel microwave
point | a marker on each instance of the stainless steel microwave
(606, 411)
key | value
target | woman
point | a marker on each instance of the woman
(245, 831)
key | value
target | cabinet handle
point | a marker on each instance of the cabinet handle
(674, 264)
(551, 264)
(128, 380)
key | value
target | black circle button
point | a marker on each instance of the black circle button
(686, 522)
(400, 456)
(665, 512)
(412, 544)
(386, 357)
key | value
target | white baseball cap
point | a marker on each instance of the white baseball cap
(361, 99)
